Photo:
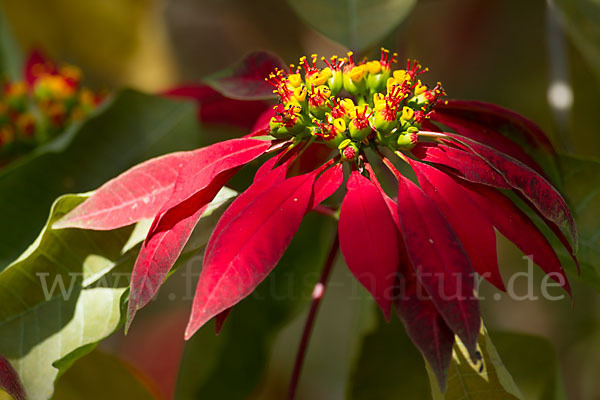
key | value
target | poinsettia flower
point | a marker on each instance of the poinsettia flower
(41, 105)
(416, 249)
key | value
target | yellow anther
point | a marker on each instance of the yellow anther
(339, 125)
(378, 97)
(374, 67)
(400, 75)
(407, 113)
(420, 88)
(357, 73)
(295, 80)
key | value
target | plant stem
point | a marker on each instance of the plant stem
(327, 211)
(317, 295)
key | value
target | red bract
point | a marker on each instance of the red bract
(369, 239)
(420, 251)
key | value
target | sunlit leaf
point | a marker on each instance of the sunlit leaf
(128, 129)
(485, 379)
(357, 24)
(65, 293)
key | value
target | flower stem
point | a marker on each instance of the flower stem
(327, 211)
(317, 295)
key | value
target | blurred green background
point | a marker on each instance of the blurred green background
(538, 58)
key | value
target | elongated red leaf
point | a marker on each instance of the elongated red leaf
(468, 165)
(220, 319)
(369, 240)
(440, 261)
(518, 228)
(136, 194)
(556, 230)
(489, 114)
(245, 251)
(161, 250)
(326, 184)
(542, 194)
(9, 380)
(424, 325)
(266, 177)
(246, 80)
(471, 225)
(487, 135)
(210, 161)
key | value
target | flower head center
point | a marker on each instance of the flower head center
(353, 103)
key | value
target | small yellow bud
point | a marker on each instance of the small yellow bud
(326, 73)
(391, 82)
(339, 124)
(407, 113)
(374, 67)
(420, 88)
(348, 104)
(379, 105)
(357, 73)
(300, 93)
(323, 90)
(295, 80)
(400, 75)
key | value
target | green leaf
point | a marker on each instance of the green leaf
(11, 59)
(581, 186)
(67, 292)
(231, 365)
(486, 379)
(102, 376)
(357, 24)
(42, 321)
(581, 20)
(129, 128)
(389, 366)
(533, 364)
